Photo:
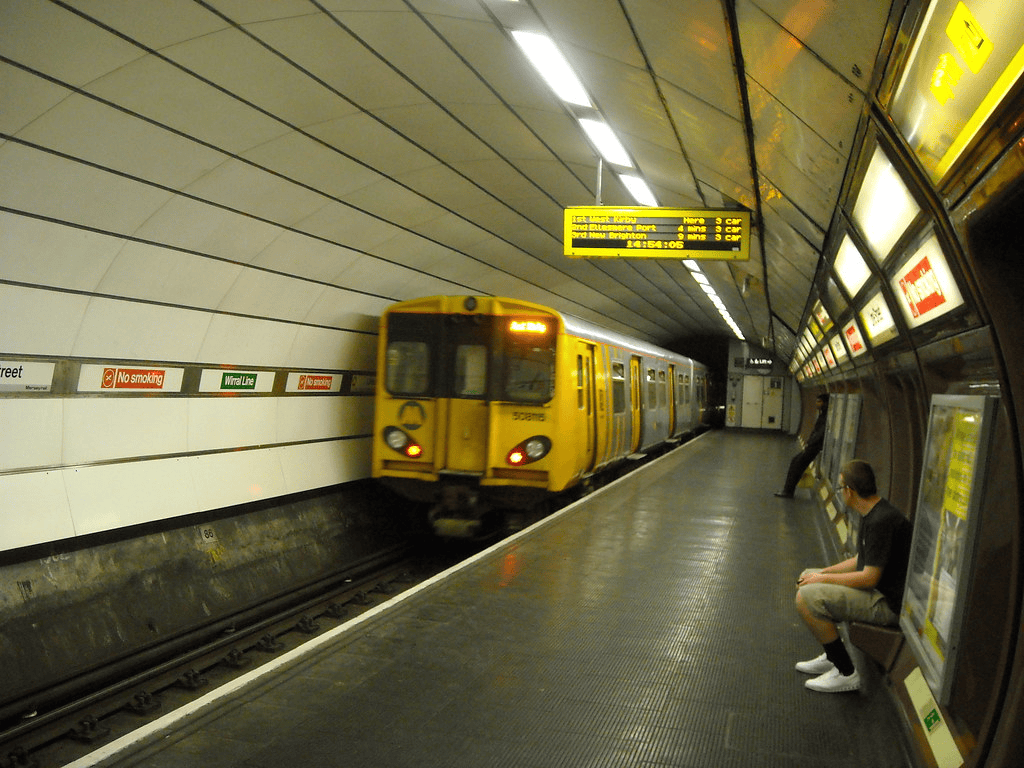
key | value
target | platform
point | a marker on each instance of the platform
(650, 624)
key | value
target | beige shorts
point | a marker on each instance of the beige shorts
(837, 603)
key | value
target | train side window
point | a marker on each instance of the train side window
(408, 367)
(686, 387)
(618, 388)
(470, 370)
(662, 390)
(652, 387)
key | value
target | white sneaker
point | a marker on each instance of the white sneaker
(833, 682)
(815, 666)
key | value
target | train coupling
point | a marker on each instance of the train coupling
(457, 515)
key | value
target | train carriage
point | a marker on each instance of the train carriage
(486, 405)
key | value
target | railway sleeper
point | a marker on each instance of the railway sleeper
(192, 680)
(89, 730)
(19, 758)
(144, 703)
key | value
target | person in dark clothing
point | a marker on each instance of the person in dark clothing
(803, 459)
(867, 587)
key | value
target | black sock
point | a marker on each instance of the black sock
(836, 653)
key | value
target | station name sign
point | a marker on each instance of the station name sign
(643, 233)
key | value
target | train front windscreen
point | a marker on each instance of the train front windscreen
(482, 357)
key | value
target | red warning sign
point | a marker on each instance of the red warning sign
(133, 378)
(315, 382)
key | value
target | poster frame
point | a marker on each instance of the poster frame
(935, 642)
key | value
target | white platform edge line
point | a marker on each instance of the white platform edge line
(171, 718)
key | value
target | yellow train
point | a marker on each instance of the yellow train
(488, 405)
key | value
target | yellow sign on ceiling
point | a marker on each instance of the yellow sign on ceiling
(643, 233)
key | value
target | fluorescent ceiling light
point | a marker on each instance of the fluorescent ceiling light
(691, 265)
(708, 290)
(552, 66)
(700, 277)
(607, 142)
(639, 190)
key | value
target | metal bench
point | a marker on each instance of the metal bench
(880, 643)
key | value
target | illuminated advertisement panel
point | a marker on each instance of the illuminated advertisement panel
(853, 271)
(854, 341)
(925, 286)
(829, 357)
(965, 59)
(877, 319)
(885, 207)
(821, 315)
(838, 348)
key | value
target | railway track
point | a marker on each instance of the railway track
(114, 702)
(150, 687)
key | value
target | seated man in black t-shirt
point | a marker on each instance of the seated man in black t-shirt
(867, 588)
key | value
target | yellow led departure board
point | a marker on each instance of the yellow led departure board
(643, 233)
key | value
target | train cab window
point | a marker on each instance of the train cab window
(529, 361)
(529, 379)
(409, 360)
(408, 367)
(618, 388)
(470, 370)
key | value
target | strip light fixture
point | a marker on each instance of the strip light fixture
(702, 280)
(552, 66)
(638, 189)
(549, 62)
(606, 141)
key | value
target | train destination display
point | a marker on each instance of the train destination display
(643, 233)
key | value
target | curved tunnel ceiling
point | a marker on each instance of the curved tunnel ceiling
(315, 160)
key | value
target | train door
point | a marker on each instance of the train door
(585, 402)
(700, 398)
(673, 427)
(620, 419)
(686, 397)
(635, 399)
(464, 376)
(603, 415)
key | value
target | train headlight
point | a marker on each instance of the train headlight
(531, 449)
(537, 447)
(401, 442)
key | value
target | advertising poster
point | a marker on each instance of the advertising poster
(941, 557)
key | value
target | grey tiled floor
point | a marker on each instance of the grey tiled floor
(650, 625)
